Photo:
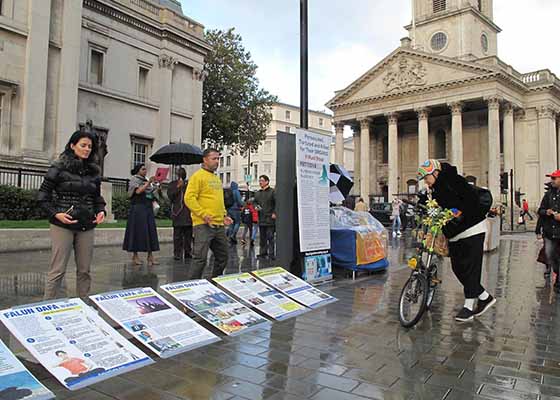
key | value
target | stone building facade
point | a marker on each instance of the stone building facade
(132, 67)
(445, 93)
(285, 118)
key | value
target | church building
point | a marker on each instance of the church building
(445, 94)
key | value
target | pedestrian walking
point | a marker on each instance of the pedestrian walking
(250, 220)
(465, 233)
(361, 206)
(549, 211)
(71, 195)
(181, 217)
(396, 216)
(235, 213)
(265, 201)
(526, 212)
(205, 198)
(141, 234)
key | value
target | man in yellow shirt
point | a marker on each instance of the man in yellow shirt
(205, 198)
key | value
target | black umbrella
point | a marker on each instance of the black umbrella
(178, 154)
(340, 183)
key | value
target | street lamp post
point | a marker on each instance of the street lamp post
(304, 85)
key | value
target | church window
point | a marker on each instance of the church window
(440, 148)
(140, 150)
(439, 5)
(439, 41)
(96, 67)
(484, 42)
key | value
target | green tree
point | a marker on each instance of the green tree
(235, 111)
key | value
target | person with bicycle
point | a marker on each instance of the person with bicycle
(465, 233)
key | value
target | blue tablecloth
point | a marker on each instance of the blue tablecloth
(343, 252)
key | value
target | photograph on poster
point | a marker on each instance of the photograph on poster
(215, 306)
(72, 342)
(154, 321)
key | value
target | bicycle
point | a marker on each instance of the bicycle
(419, 291)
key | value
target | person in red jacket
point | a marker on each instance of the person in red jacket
(250, 219)
(526, 209)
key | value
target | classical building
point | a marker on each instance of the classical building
(134, 68)
(285, 118)
(348, 156)
(445, 93)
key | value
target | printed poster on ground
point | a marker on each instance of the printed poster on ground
(154, 321)
(215, 306)
(262, 297)
(16, 382)
(294, 287)
(72, 342)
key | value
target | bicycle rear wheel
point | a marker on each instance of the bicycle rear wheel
(412, 302)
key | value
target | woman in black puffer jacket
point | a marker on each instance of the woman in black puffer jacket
(74, 211)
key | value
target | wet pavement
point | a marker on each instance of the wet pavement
(352, 349)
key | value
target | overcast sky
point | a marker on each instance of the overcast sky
(347, 37)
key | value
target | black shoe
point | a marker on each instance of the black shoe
(187, 256)
(252, 243)
(483, 305)
(262, 256)
(177, 258)
(464, 315)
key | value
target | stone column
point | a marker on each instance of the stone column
(509, 139)
(69, 74)
(494, 147)
(35, 78)
(373, 163)
(520, 140)
(199, 76)
(547, 142)
(166, 65)
(392, 119)
(423, 135)
(357, 156)
(339, 143)
(364, 159)
(457, 135)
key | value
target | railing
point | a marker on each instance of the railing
(120, 185)
(540, 77)
(21, 178)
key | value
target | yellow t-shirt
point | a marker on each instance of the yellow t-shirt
(205, 196)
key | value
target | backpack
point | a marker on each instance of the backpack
(485, 199)
(228, 198)
(247, 216)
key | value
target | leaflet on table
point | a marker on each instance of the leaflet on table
(16, 382)
(215, 306)
(260, 296)
(154, 321)
(72, 342)
(294, 287)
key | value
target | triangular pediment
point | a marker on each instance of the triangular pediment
(405, 71)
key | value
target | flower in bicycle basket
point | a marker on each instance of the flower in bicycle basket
(432, 204)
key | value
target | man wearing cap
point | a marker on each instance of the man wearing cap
(465, 233)
(549, 213)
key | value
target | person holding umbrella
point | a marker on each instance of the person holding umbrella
(181, 216)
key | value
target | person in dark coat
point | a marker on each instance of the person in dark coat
(549, 212)
(235, 213)
(265, 201)
(71, 196)
(181, 216)
(539, 232)
(465, 233)
(141, 232)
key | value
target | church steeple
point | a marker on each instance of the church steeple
(462, 29)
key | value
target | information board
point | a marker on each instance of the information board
(16, 382)
(260, 296)
(215, 306)
(154, 321)
(72, 342)
(294, 287)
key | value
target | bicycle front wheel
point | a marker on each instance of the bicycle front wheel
(412, 302)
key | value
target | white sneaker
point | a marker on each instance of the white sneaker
(399, 233)
(394, 234)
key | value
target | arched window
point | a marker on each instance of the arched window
(440, 147)
(439, 5)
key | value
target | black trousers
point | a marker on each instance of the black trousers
(266, 239)
(182, 241)
(466, 261)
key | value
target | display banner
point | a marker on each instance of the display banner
(215, 306)
(260, 296)
(317, 266)
(312, 171)
(294, 287)
(16, 382)
(154, 321)
(72, 342)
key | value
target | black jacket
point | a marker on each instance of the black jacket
(266, 201)
(550, 227)
(451, 190)
(180, 213)
(72, 182)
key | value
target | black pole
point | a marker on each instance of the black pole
(304, 84)
(511, 196)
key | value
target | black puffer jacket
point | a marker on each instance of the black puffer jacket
(71, 182)
(550, 201)
(451, 190)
